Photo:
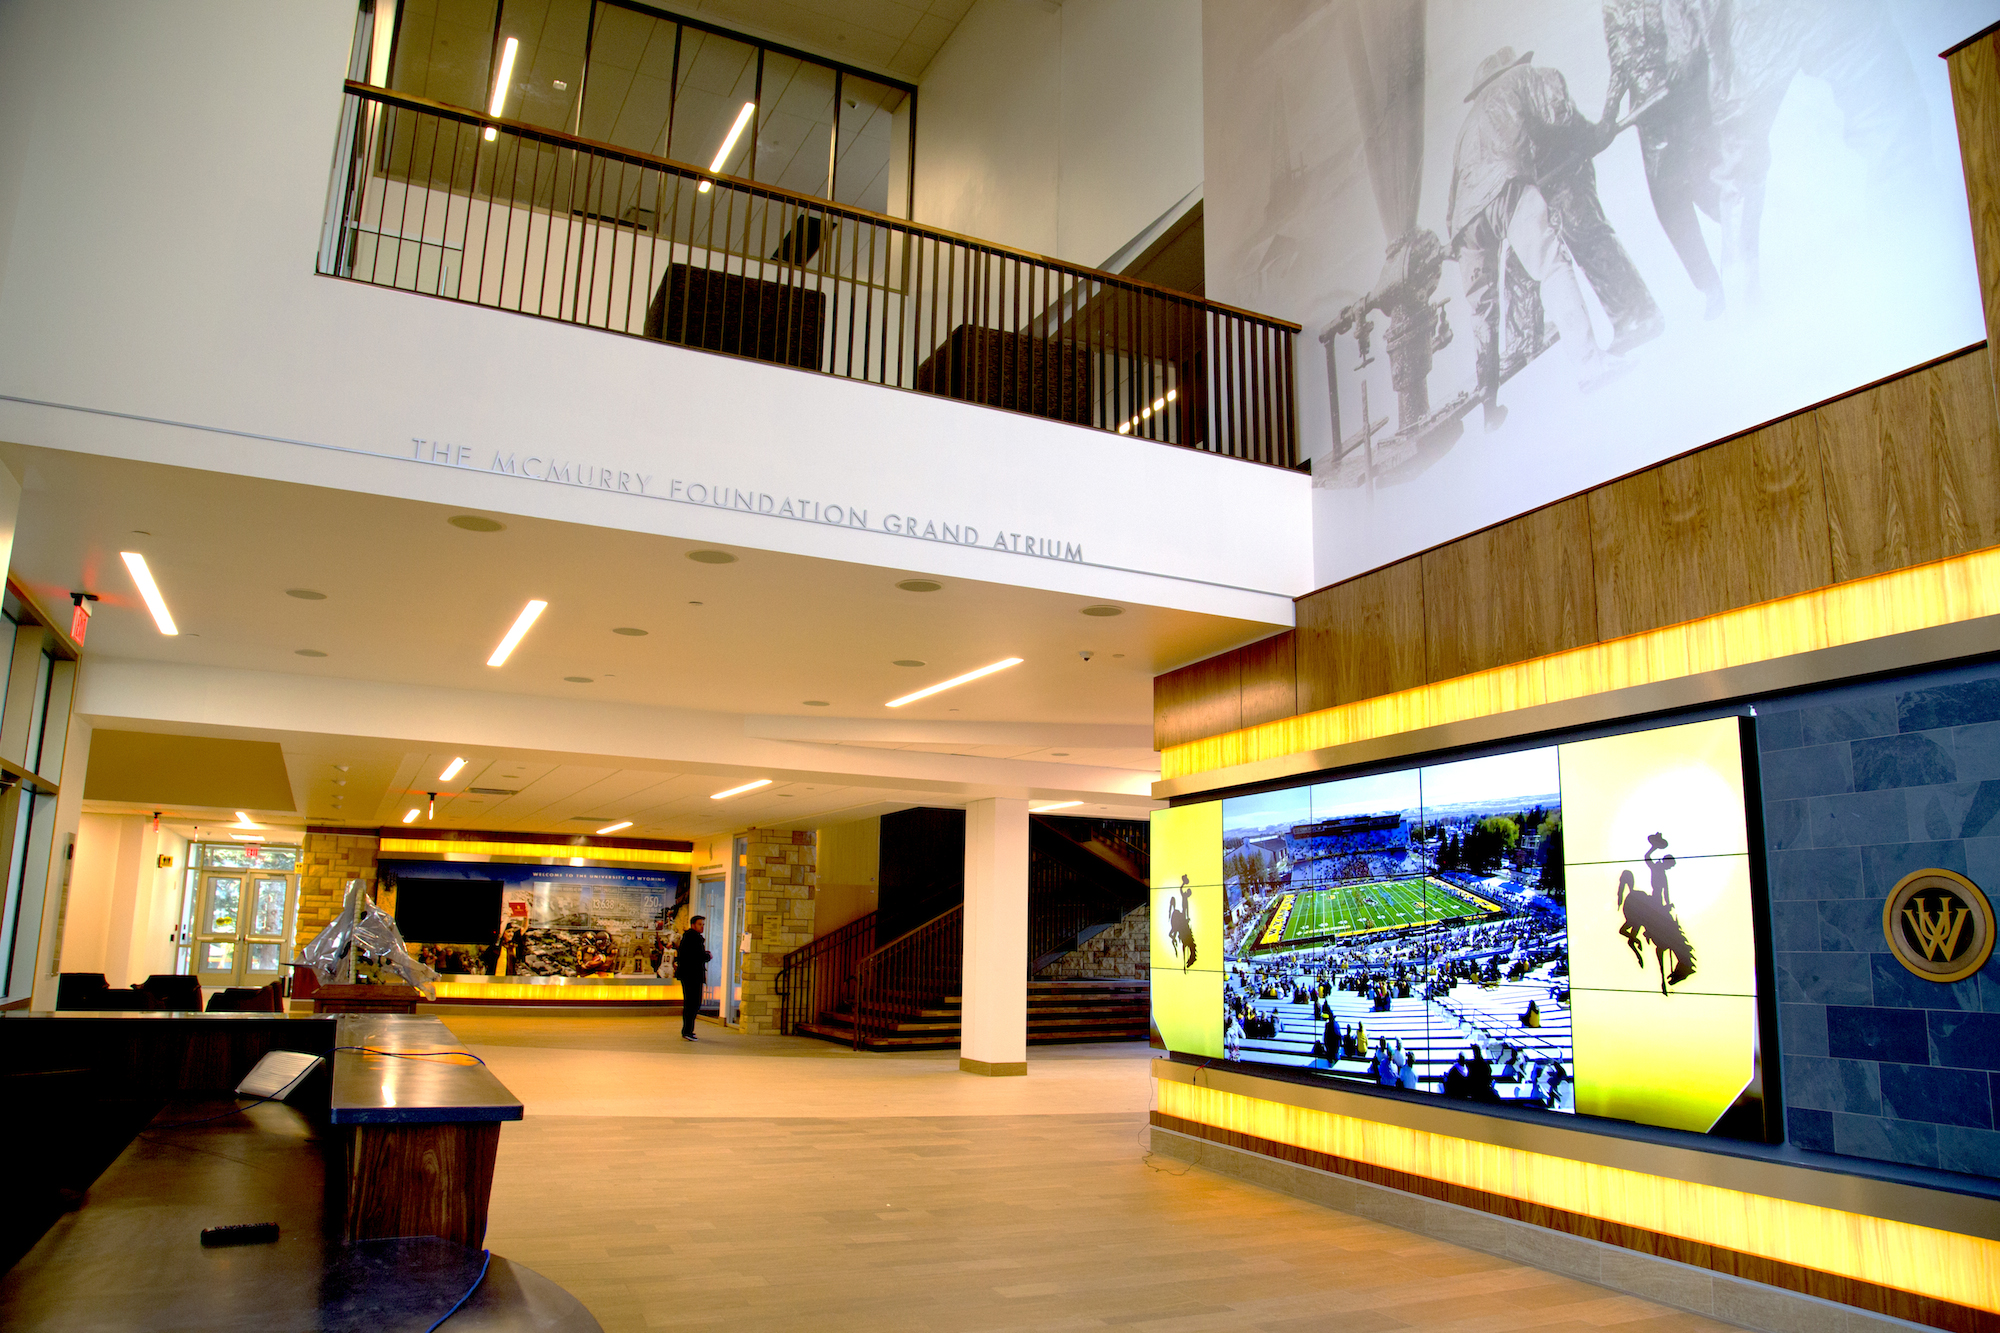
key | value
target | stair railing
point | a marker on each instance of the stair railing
(911, 973)
(818, 978)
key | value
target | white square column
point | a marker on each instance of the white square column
(994, 1031)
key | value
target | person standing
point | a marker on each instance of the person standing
(691, 968)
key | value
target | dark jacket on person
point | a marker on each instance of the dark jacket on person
(691, 956)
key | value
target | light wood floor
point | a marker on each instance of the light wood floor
(775, 1184)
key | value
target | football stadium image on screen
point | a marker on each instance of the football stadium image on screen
(1405, 929)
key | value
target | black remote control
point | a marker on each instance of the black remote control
(244, 1233)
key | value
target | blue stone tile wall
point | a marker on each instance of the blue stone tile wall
(1861, 785)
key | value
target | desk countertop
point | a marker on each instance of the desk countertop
(391, 1069)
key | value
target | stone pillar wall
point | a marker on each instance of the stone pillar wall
(779, 883)
(1123, 952)
(328, 861)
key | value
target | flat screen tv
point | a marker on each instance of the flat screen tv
(448, 911)
(1565, 928)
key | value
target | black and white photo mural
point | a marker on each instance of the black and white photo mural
(1537, 245)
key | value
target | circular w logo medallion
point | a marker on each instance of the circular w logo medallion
(1939, 925)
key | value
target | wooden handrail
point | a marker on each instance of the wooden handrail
(559, 139)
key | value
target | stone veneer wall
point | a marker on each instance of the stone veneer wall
(779, 882)
(1863, 785)
(328, 862)
(1124, 951)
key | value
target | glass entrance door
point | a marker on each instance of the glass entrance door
(240, 927)
(708, 903)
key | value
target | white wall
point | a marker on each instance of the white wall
(1064, 130)
(123, 908)
(168, 310)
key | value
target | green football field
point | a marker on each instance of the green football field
(1388, 904)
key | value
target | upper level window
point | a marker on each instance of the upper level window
(625, 73)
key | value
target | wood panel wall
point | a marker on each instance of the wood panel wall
(1898, 474)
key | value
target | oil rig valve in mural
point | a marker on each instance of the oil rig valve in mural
(1417, 324)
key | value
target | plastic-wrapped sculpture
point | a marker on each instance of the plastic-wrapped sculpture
(364, 935)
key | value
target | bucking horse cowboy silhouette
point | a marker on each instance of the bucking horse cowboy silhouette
(1653, 914)
(1180, 923)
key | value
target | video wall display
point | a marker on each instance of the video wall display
(1535, 246)
(1566, 928)
(498, 919)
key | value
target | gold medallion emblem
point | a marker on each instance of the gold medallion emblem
(1939, 925)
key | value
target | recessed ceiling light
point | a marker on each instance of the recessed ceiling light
(409, 817)
(308, 652)
(815, 703)
(243, 821)
(451, 770)
(738, 791)
(305, 594)
(522, 623)
(1054, 805)
(712, 557)
(613, 828)
(906, 662)
(578, 680)
(631, 632)
(1104, 610)
(919, 585)
(476, 522)
(929, 690)
(149, 590)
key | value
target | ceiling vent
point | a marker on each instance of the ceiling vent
(494, 791)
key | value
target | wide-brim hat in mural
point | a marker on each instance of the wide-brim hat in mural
(1494, 66)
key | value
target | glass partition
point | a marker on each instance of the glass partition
(646, 79)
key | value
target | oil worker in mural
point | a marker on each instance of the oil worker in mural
(1523, 184)
(1660, 81)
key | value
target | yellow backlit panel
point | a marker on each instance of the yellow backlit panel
(1963, 588)
(1942, 1264)
(539, 851)
(470, 990)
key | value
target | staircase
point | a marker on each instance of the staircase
(1059, 1012)
(1085, 876)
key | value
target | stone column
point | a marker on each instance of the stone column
(778, 885)
(994, 1036)
(326, 862)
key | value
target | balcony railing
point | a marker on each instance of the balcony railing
(444, 201)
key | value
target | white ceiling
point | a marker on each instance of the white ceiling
(411, 599)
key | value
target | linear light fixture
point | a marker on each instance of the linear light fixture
(1056, 805)
(1144, 412)
(243, 821)
(735, 133)
(451, 770)
(149, 590)
(411, 817)
(929, 690)
(738, 791)
(501, 82)
(613, 828)
(522, 623)
(249, 837)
